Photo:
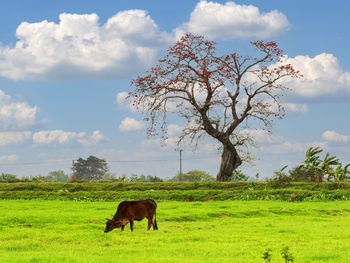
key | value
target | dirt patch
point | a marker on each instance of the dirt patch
(219, 215)
(25, 225)
(286, 209)
(181, 219)
(93, 222)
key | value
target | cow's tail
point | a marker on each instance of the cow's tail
(155, 221)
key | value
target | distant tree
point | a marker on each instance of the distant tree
(8, 177)
(154, 179)
(216, 95)
(58, 176)
(239, 176)
(194, 176)
(90, 169)
(143, 178)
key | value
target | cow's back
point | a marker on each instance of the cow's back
(136, 209)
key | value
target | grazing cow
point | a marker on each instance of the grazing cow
(128, 211)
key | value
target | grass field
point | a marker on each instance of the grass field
(214, 231)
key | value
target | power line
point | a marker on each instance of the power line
(108, 161)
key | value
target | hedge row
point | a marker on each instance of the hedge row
(181, 195)
(137, 186)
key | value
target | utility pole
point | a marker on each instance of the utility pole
(181, 165)
(72, 179)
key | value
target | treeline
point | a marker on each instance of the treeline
(313, 169)
(61, 176)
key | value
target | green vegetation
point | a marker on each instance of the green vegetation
(216, 231)
(194, 176)
(180, 191)
(90, 169)
(316, 169)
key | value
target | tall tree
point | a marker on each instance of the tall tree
(92, 168)
(216, 95)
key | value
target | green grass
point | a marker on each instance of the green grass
(214, 231)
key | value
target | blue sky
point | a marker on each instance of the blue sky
(65, 67)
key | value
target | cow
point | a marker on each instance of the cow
(128, 211)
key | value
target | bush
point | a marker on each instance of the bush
(194, 176)
(239, 176)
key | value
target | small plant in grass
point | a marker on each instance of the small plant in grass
(267, 255)
(286, 255)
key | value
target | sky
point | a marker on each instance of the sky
(65, 67)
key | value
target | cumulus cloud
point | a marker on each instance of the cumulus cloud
(333, 136)
(130, 124)
(16, 115)
(64, 137)
(231, 20)
(8, 138)
(79, 46)
(95, 138)
(322, 76)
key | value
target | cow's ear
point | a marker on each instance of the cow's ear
(107, 219)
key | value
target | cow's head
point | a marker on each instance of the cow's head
(111, 224)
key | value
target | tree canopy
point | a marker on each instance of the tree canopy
(216, 95)
(92, 168)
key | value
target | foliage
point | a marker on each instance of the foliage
(286, 255)
(143, 178)
(267, 255)
(315, 169)
(190, 191)
(194, 176)
(91, 169)
(6, 177)
(58, 176)
(216, 95)
(280, 179)
(239, 176)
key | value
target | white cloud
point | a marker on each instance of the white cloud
(322, 76)
(231, 20)
(8, 138)
(79, 46)
(11, 157)
(260, 135)
(290, 147)
(295, 107)
(95, 138)
(174, 129)
(63, 137)
(130, 124)
(56, 136)
(16, 115)
(122, 99)
(335, 137)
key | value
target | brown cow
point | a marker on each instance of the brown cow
(128, 211)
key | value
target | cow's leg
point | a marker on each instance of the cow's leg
(150, 223)
(132, 225)
(122, 228)
(154, 224)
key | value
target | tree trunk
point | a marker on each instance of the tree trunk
(230, 160)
